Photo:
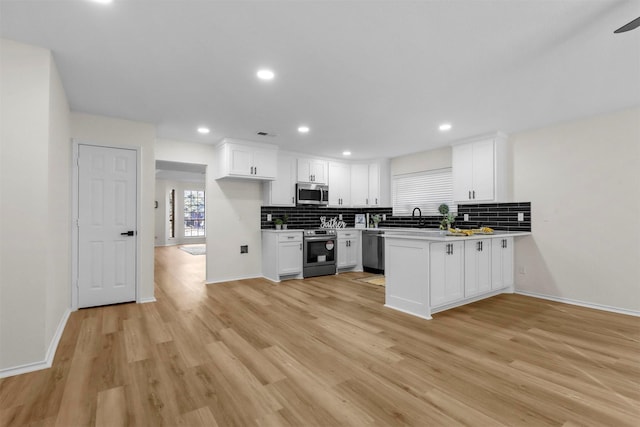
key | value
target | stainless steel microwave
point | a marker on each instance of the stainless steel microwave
(312, 194)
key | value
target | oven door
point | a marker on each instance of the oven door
(319, 251)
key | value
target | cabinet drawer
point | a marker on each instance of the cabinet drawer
(290, 237)
(347, 234)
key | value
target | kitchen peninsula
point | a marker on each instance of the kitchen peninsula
(428, 271)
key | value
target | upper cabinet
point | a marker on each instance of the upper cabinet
(370, 184)
(282, 191)
(244, 159)
(479, 170)
(339, 184)
(312, 170)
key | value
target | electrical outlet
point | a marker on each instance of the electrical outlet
(340, 217)
(269, 217)
(521, 270)
(520, 216)
(244, 249)
(384, 217)
(466, 217)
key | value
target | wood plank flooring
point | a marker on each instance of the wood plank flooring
(325, 352)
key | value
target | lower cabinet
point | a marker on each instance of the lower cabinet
(425, 276)
(477, 266)
(281, 255)
(349, 251)
(446, 273)
(501, 262)
(289, 257)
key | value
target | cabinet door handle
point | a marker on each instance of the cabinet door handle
(367, 202)
(255, 170)
(474, 194)
(505, 243)
(376, 200)
(291, 237)
(293, 200)
(300, 246)
(478, 246)
(451, 248)
(469, 194)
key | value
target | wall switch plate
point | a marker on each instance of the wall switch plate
(520, 216)
(340, 217)
(244, 249)
(384, 217)
(466, 217)
(269, 217)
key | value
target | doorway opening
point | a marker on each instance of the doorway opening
(180, 220)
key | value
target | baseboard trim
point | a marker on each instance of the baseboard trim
(209, 282)
(580, 303)
(51, 353)
(147, 300)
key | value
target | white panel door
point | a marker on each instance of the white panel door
(107, 214)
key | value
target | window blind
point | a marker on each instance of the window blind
(426, 190)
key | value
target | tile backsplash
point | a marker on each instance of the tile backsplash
(500, 216)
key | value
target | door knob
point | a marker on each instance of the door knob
(128, 233)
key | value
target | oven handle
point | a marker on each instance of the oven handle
(318, 239)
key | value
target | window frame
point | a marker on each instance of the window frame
(415, 185)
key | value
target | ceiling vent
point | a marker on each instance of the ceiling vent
(262, 133)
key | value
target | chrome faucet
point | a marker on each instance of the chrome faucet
(420, 220)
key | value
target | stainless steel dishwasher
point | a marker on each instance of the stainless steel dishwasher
(373, 250)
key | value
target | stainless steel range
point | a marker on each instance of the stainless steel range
(319, 252)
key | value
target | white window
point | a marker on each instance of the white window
(426, 190)
(194, 213)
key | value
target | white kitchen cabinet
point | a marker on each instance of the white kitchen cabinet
(446, 272)
(374, 196)
(368, 183)
(502, 263)
(477, 266)
(312, 170)
(359, 184)
(339, 184)
(349, 249)
(479, 170)
(282, 190)
(239, 159)
(281, 254)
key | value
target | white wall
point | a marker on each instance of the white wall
(233, 214)
(422, 161)
(35, 211)
(86, 128)
(163, 187)
(583, 181)
(58, 297)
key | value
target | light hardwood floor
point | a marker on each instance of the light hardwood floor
(326, 352)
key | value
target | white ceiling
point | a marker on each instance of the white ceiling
(374, 77)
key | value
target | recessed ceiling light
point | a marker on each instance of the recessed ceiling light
(102, 1)
(203, 130)
(265, 74)
(303, 129)
(445, 127)
(346, 153)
